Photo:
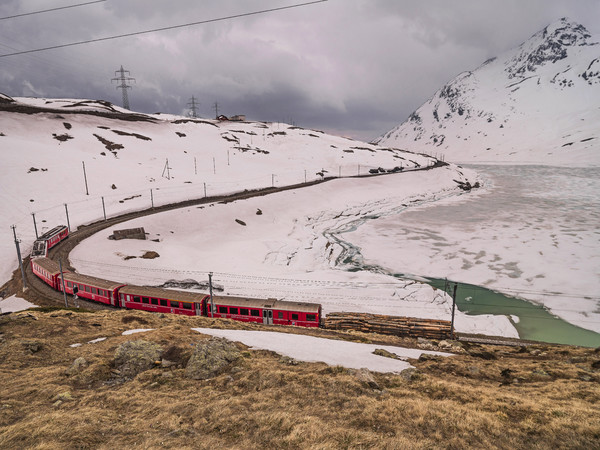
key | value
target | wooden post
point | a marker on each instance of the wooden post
(453, 309)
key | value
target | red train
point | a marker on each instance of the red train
(48, 240)
(270, 311)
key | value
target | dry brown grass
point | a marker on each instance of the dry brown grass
(549, 397)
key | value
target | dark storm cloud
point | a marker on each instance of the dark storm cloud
(351, 67)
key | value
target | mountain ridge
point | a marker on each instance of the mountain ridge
(531, 104)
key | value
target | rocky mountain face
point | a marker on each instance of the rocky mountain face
(537, 103)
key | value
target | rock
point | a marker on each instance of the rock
(483, 355)
(63, 397)
(288, 361)
(541, 375)
(78, 366)
(364, 376)
(445, 345)
(425, 344)
(133, 357)
(32, 346)
(385, 353)
(410, 374)
(211, 357)
(429, 357)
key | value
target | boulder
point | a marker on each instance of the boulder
(133, 357)
(364, 376)
(212, 357)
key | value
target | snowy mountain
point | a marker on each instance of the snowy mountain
(537, 103)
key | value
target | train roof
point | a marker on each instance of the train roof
(48, 265)
(91, 281)
(156, 292)
(270, 303)
(52, 232)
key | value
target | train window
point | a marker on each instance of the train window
(222, 309)
(145, 300)
(233, 311)
(94, 291)
(154, 301)
(163, 302)
(244, 312)
(311, 317)
(69, 284)
(174, 304)
(87, 289)
(294, 316)
(136, 299)
(280, 315)
(255, 312)
(186, 305)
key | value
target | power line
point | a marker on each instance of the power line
(49, 10)
(154, 30)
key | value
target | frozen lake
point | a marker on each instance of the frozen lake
(532, 232)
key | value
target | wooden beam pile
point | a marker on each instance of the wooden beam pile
(397, 326)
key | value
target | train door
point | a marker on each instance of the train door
(198, 308)
(268, 316)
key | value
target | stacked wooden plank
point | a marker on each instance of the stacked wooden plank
(398, 326)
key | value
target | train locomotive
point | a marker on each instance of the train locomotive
(48, 240)
(120, 295)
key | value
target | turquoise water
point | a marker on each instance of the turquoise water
(534, 322)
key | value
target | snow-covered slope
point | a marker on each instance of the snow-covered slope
(45, 145)
(284, 240)
(537, 103)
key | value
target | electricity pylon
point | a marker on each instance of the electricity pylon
(193, 107)
(124, 86)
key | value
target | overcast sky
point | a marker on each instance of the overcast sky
(350, 67)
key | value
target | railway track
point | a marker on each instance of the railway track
(41, 294)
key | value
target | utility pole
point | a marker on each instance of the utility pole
(87, 192)
(216, 106)
(210, 290)
(124, 86)
(14, 228)
(62, 278)
(193, 107)
(453, 309)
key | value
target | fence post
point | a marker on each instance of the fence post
(151, 198)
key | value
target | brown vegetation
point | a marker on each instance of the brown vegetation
(57, 396)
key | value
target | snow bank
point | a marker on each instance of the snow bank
(351, 355)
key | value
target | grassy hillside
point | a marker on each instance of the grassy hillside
(484, 397)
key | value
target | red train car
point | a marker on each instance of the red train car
(268, 311)
(92, 288)
(54, 236)
(161, 300)
(48, 271)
